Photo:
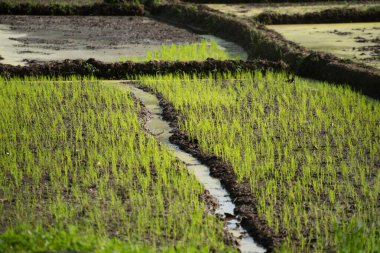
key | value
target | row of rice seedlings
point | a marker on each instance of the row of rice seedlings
(311, 152)
(184, 52)
(73, 153)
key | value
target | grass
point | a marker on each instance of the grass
(186, 52)
(78, 173)
(310, 152)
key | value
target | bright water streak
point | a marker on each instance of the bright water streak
(162, 131)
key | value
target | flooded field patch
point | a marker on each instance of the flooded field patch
(356, 41)
(42, 38)
(251, 10)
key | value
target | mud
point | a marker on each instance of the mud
(40, 38)
(45, 38)
(128, 69)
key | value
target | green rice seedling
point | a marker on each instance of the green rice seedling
(185, 52)
(78, 173)
(309, 151)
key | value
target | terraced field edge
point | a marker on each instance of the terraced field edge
(128, 69)
(260, 42)
(336, 15)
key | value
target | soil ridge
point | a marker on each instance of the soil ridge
(101, 9)
(117, 71)
(335, 15)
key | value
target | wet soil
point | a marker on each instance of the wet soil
(94, 31)
(45, 38)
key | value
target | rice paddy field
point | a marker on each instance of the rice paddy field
(91, 165)
(310, 152)
(78, 173)
(76, 163)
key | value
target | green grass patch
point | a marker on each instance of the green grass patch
(310, 152)
(78, 173)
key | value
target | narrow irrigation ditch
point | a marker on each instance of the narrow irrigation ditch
(160, 125)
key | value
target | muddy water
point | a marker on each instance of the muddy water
(161, 130)
(46, 38)
(356, 41)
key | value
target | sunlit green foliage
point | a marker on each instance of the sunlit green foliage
(185, 52)
(76, 169)
(310, 151)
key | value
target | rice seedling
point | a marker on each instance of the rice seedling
(185, 52)
(311, 152)
(78, 173)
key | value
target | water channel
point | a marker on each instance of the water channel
(161, 130)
